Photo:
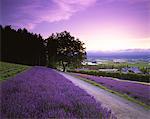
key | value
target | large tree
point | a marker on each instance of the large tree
(65, 50)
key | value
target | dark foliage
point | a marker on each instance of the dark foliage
(21, 46)
(123, 76)
(65, 50)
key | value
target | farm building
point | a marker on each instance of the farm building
(131, 69)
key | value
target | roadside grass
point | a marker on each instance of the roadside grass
(8, 70)
(114, 92)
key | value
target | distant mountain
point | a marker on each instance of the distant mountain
(128, 54)
(136, 50)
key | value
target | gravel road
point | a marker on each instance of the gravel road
(122, 108)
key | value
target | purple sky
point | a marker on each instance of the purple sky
(101, 24)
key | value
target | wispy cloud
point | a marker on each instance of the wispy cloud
(28, 14)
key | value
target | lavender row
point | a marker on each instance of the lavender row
(43, 93)
(136, 90)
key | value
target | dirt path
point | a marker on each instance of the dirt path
(122, 108)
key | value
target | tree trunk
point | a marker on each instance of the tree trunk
(64, 66)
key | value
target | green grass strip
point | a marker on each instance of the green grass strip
(8, 70)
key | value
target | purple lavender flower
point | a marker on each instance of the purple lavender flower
(133, 89)
(43, 93)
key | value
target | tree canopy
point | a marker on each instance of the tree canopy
(60, 49)
(21, 46)
(67, 50)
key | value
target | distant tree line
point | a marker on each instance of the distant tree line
(123, 76)
(21, 46)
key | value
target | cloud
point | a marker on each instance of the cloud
(28, 13)
(136, 1)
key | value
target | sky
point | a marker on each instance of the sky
(103, 25)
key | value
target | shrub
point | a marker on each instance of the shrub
(123, 76)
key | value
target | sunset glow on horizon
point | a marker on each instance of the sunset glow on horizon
(103, 25)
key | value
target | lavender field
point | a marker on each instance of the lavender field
(135, 90)
(43, 93)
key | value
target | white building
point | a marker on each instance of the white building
(108, 70)
(131, 69)
(89, 63)
(119, 60)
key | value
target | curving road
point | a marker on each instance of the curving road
(122, 108)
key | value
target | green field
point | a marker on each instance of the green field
(9, 69)
(140, 64)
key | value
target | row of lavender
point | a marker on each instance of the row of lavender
(136, 90)
(43, 93)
